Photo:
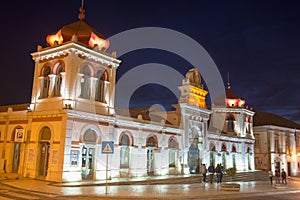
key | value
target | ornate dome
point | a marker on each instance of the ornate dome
(78, 32)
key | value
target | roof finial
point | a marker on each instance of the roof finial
(228, 82)
(81, 14)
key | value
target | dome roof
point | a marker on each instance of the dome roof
(78, 32)
(231, 95)
(81, 29)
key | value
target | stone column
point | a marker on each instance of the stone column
(106, 95)
(93, 86)
(63, 89)
(40, 87)
(78, 87)
(52, 84)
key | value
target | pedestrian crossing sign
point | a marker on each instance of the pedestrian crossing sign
(107, 147)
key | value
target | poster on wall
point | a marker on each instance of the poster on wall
(54, 157)
(74, 157)
(19, 135)
(30, 155)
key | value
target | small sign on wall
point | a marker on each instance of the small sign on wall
(74, 157)
(19, 135)
(30, 155)
(55, 157)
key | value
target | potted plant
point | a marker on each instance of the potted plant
(231, 172)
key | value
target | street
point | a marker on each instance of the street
(34, 189)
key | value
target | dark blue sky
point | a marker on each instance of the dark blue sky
(258, 42)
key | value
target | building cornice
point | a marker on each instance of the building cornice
(64, 49)
(234, 109)
(116, 121)
(229, 138)
(195, 108)
(273, 127)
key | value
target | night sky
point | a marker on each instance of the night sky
(257, 42)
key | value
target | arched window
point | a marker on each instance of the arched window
(101, 78)
(173, 144)
(233, 149)
(46, 82)
(212, 147)
(90, 136)
(230, 123)
(45, 134)
(125, 151)
(58, 79)
(125, 141)
(85, 82)
(151, 142)
(223, 148)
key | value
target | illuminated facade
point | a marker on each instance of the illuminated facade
(233, 146)
(59, 135)
(277, 143)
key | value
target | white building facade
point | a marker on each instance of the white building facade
(277, 144)
(59, 135)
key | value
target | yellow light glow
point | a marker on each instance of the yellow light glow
(241, 103)
(55, 39)
(95, 40)
(197, 97)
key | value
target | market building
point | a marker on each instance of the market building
(66, 132)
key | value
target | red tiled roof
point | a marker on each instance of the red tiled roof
(263, 118)
(16, 107)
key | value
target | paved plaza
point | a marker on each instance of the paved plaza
(129, 189)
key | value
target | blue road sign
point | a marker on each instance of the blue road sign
(107, 147)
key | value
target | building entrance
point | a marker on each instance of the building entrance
(44, 158)
(44, 149)
(193, 158)
(16, 158)
(87, 166)
(150, 161)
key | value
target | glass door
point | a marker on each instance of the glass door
(87, 166)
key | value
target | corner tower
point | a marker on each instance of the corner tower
(74, 71)
(192, 91)
(194, 119)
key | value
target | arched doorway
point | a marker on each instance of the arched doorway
(151, 144)
(44, 150)
(233, 151)
(224, 153)
(249, 153)
(88, 154)
(193, 158)
(212, 154)
(17, 138)
(173, 151)
(125, 151)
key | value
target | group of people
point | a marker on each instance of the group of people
(280, 177)
(211, 170)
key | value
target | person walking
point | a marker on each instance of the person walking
(277, 175)
(204, 171)
(271, 176)
(222, 172)
(283, 177)
(211, 170)
(218, 172)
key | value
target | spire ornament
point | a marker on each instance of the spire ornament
(81, 14)
(228, 86)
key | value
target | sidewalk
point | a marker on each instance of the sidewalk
(161, 191)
